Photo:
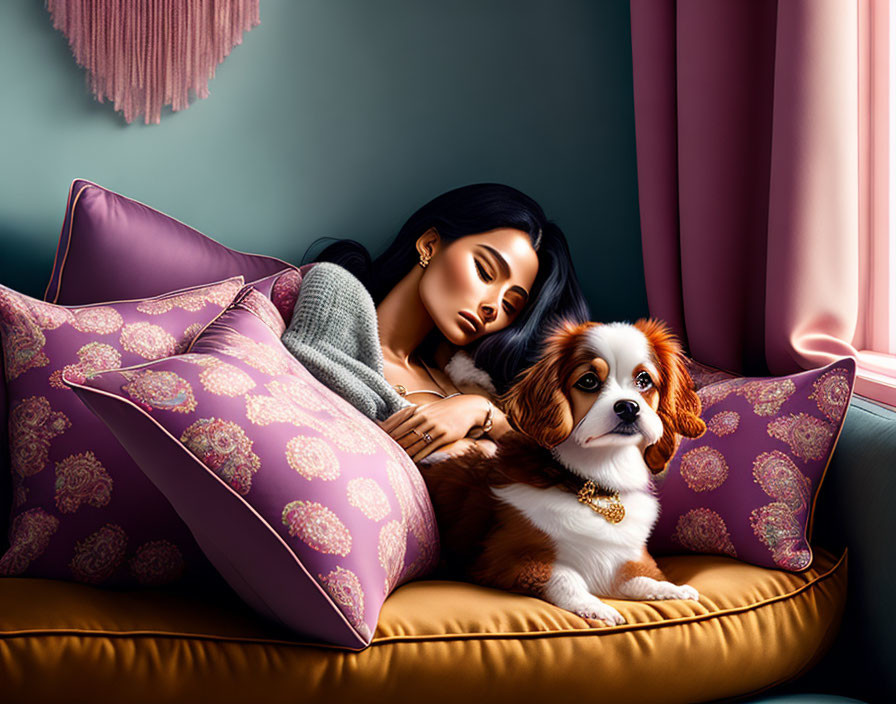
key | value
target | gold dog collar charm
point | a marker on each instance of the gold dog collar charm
(610, 507)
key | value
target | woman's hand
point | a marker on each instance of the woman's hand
(446, 420)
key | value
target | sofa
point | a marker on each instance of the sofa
(757, 634)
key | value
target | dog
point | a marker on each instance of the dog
(562, 509)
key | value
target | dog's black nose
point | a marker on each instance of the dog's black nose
(626, 410)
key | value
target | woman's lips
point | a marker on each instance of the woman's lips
(467, 323)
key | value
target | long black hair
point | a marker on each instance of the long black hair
(468, 210)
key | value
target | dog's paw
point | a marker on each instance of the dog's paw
(688, 592)
(434, 457)
(487, 447)
(598, 610)
(667, 590)
(464, 446)
(649, 588)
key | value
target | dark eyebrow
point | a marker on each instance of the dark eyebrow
(506, 267)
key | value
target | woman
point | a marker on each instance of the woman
(478, 268)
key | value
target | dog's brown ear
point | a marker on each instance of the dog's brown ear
(535, 403)
(679, 406)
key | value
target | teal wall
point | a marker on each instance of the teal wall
(340, 118)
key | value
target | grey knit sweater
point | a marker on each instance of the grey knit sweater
(334, 334)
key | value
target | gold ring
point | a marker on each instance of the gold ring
(414, 430)
(427, 437)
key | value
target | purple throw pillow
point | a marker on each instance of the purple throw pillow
(282, 288)
(309, 510)
(81, 509)
(747, 487)
(152, 252)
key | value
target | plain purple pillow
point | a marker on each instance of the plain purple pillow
(309, 510)
(282, 288)
(747, 487)
(81, 509)
(113, 248)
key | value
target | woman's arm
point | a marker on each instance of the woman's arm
(453, 422)
(475, 405)
(333, 334)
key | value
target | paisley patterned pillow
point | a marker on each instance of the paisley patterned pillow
(747, 487)
(308, 509)
(4, 460)
(281, 287)
(81, 509)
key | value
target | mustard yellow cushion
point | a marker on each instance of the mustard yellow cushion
(437, 641)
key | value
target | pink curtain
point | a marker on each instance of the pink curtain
(747, 129)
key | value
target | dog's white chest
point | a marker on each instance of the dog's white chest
(584, 540)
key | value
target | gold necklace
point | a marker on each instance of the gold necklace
(402, 390)
(610, 507)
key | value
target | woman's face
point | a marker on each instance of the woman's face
(487, 276)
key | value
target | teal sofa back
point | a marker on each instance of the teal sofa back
(856, 510)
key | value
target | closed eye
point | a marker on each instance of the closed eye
(485, 277)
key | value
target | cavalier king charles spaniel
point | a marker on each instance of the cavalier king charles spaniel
(563, 508)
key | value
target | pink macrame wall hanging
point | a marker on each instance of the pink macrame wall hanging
(143, 54)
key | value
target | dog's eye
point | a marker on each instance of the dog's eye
(588, 382)
(643, 381)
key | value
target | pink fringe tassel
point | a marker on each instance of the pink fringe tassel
(143, 54)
